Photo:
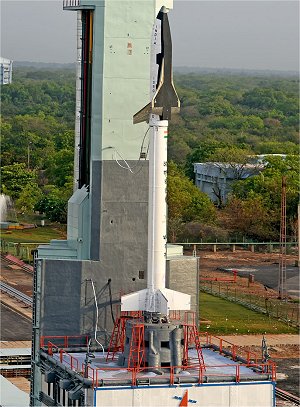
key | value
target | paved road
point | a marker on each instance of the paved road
(255, 340)
(268, 275)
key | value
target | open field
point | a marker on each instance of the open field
(227, 318)
(39, 234)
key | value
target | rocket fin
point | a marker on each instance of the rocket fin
(143, 114)
(134, 301)
(177, 300)
(145, 300)
(161, 301)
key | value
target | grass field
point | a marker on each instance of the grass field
(227, 318)
(36, 235)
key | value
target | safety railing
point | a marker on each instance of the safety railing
(68, 341)
(221, 279)
(63, 356)
(169, 375)
(230, 349)
(52, 348)
(89, 372)
(71, 3)
(67, 359)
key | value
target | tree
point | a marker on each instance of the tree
(250, 217)
(201, 154)
(267, 186)
(185, 201)
(15, 178)
(234, 163)
(55, 209)
(238, 159)
(29, 197)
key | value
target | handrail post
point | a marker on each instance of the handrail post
(200, 375)
(233, 352)
(134, 372)
(237, 373)
(61, 355)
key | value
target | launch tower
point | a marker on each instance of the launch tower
(114, 316)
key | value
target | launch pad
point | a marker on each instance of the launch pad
(72, 371)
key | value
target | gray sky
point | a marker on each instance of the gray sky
(230, 34)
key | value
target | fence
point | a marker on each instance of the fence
(250, 246)
(20, 250)
(285, 311)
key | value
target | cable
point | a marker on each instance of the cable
(97, 316)
(127, 165)
(111, 302)
(128, 168)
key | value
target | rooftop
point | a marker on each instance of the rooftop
(222, 363)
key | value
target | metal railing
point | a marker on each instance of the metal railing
(171, 375)
(18, 295)
(250, 246)
(20, 250)
(67, 341)
(71, 3)
(225, 347)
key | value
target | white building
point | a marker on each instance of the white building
(5, 71)
(215, 178)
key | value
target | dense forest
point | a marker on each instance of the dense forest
(224, 118)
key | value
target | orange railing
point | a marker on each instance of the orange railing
(202, 372)
(70, 341)
(202, 375)
(68, 359)
(227, 280)
(228, 347)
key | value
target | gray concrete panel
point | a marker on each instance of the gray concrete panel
(121, 185)
(182, 275)
(61, 289)
(95, 209)
(68, 303)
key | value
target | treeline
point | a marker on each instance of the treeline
(226, 118)
(261, 114)
(37, 139)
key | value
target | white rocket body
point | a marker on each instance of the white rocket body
(156, 298)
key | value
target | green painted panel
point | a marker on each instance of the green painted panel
(124, 97)
(129, 18)
(127, 58)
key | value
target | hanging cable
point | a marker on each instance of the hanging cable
(111, 301)
(128, 167)
(97, 316)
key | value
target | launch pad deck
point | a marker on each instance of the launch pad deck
(217, 368)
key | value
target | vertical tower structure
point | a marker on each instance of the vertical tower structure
(107, 215)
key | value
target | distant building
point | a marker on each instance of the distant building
(215, 179)
(5, 71)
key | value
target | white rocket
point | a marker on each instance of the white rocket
(156, 298)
